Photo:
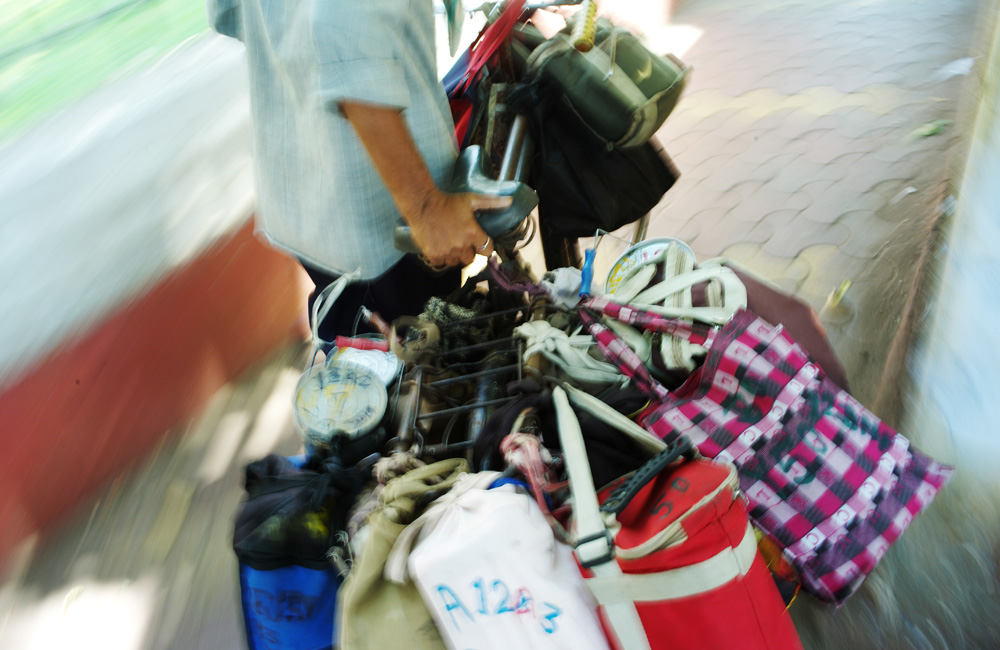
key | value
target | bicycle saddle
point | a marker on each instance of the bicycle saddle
(470, 175)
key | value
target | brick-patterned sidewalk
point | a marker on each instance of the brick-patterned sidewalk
(798, 147)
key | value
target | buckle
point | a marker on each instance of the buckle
(605, 554)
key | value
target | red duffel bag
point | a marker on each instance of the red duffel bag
(670, 555)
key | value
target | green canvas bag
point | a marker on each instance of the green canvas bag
(372, 612)
(619, 89)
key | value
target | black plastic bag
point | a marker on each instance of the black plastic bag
(583, 185)
(292, 511)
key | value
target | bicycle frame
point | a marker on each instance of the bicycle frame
(518, 150)
(516, 166)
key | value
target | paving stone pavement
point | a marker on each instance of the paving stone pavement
(796, 144)
(797, 149)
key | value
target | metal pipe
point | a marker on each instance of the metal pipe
(524, 159)
(474, 375)
(479, 346)
(641, 226)
(512, 154)
(411, 413)
(463, 409)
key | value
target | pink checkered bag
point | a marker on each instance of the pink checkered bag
(827, 480)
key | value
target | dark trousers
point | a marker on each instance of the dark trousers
(401, 291)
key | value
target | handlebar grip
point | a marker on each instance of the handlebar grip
(618, 500)
(402, 239)
(469, 176)
(361, 343)
(584, 27)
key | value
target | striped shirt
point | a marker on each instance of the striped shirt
(318, 194)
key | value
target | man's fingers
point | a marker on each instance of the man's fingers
(460, 257)
(487, 249)
(463, 258)
(457, 256)
(435, 263)
(486, 202)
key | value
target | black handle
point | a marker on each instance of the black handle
(469, 175)
(621, 497)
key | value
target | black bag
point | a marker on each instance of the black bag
(283, 534)
(583, 185)
(292, 510)
(611, 454)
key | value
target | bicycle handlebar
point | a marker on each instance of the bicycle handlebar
(469, 176)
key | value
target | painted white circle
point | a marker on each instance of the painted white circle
(384, 364)
(638, 254)
(339, 398)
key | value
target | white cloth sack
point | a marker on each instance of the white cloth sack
(492, 573)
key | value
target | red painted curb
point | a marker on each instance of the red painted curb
(103, 400)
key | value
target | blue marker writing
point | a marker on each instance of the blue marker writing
(450, 605)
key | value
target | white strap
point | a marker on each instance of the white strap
(733, 292)
(590, 526)
(613, 418)
(632, 284)
(678, 354)
(622, 617)
(707, 315)
(677, 258)
(639, 342)
(672, 298)
(568, 352)
(683, 582)
(677, 287)
(324, 302)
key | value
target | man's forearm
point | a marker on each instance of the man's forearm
(387, 138)
(443, 225)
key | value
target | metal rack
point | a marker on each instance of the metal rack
(493, 365)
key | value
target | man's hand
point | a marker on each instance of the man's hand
(445, 229)
(443, 225)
